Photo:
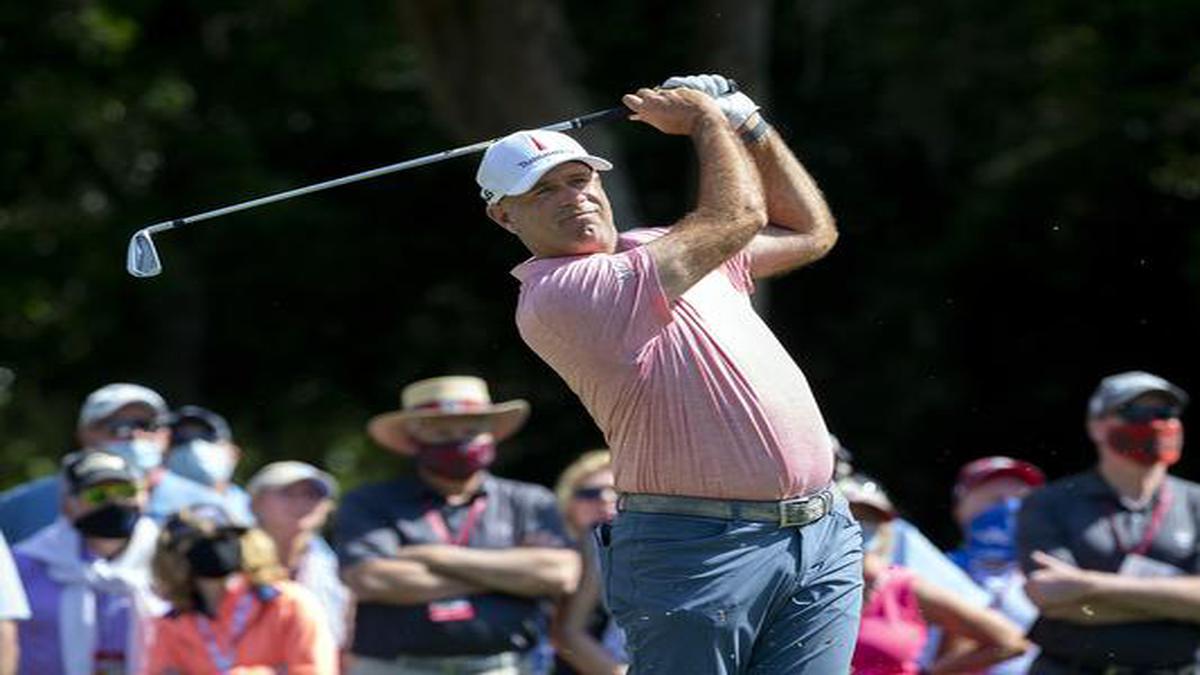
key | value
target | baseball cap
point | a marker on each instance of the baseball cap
(1117, 390)
(112, 397)
(979, 471)
(215, 426)
(282, 474)
(514, 163)
(82, 470)
(860, 488)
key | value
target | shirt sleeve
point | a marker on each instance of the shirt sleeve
(1038, 530)
(13, 603)
(541, 523)
(362, 533)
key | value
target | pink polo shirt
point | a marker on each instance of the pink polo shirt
(695, 397)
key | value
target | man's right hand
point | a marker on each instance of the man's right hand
(680, 112)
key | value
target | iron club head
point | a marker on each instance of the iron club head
(142, 259)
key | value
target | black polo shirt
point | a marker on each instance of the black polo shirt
(374, 521)
(1082, 520)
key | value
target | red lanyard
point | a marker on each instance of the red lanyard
(434, 517)
(1156, 521)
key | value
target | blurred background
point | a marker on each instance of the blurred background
(1016, 184)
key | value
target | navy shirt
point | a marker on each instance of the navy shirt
(1075, 519)
(374, 521)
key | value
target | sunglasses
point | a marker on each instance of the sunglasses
(594, 493)
(1140, 414)
(103, 494)
(125, 428)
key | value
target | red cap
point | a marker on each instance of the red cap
(984, 469)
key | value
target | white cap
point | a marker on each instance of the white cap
(112, 397)
(514, 163)
(282, 474)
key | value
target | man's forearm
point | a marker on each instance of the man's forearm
(1094, 612)
(792, 197)
(404, 582)
(526, 571)
(1175, 598)
(9, 654)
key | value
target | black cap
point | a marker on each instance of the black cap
(193, 415)
(82, 470)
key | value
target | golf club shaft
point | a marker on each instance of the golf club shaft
(619, 112)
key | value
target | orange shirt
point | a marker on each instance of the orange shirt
(283, 628)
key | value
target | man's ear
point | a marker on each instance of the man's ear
(1095, 430)
(501, 217)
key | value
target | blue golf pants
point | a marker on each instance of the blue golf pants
(723, 597)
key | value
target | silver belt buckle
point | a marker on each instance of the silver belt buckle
(801, 510)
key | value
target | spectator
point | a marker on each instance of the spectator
(459, 558)
(585, 634)
(233, 609)
(13, 608)
(987, 496)
(900, 604)
(201, 451)
(87, 575)
(291, 502)
(120, 418)
(1110, 554)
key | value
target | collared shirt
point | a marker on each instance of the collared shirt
(318, 573)
(1075, 519)
(281, 632)
(696, 396)
(13, 604)
(29, 507)
(375, 521)
(40, 637)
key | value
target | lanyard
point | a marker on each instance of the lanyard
(1152, 528)
(222, 659)
(438, 523)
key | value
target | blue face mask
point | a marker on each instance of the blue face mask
(202, 461)
(142, 453)
(992, 535)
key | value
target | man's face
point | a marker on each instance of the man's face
(130, 422)
(593, 500)
(450, 429)
(565, 213)
(986, 495)
(1153, 407)
(291, 509)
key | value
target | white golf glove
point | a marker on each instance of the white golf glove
(737, 106)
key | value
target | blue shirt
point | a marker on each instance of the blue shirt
(29, 507)
(174, 492)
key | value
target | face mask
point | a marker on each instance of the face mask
(113, 521)
(1148, 443)
(992, 535)
(456, 460)
(202, 461)
(141, 453)
(215, 558)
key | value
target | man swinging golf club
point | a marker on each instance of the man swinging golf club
(730, 553)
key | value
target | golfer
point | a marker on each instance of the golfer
(730, 553)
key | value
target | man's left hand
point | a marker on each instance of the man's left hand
(738, 107)
(1057, 583)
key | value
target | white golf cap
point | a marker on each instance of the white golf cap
(112, 397)
(514, 163)
(283, 474)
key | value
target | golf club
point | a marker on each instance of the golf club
(142, 258)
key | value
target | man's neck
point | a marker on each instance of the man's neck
(455, 491)
(1132, 481)
(105, 548)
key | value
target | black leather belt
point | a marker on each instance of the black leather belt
(795, 512)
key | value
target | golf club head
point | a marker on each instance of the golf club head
(142, 259)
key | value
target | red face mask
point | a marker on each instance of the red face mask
(1148, 443)
(456, 460)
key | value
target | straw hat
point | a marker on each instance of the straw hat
(454, 396)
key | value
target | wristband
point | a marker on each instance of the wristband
(755, 133)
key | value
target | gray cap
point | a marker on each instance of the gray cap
(282, 474)
(112, 397)
(1117, 390)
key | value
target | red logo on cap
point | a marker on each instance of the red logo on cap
(533, 139)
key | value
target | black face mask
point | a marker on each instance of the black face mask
(113, 521)
(215, 558)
